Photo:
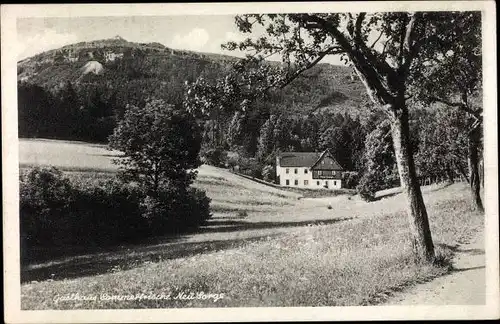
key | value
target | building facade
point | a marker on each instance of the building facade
(312, 170)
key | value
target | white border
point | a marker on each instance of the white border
(13, 314)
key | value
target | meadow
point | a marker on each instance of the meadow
(263, 247)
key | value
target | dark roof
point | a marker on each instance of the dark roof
(331, 165)
(308, 159)
(298, 159)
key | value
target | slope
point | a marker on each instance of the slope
(135, 71)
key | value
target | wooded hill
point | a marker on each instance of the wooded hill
(131, 72)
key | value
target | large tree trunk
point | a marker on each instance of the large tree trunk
(473, 161)
(417, 214)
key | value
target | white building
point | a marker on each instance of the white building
(312, 170)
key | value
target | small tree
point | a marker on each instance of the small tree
(160, 143)
(378, 162)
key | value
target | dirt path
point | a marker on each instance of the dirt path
(465, 285)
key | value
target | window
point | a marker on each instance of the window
(306, 182)
(334, 182)
(305, 171)
(296, 182)
(287, 182)
(326, 184)
(317, 183)
(287, 171)
(296, 171)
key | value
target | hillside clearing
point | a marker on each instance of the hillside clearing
(359, 262)
(264, 247)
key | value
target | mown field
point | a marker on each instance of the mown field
(264, 247)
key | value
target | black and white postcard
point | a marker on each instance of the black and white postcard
(250, 161)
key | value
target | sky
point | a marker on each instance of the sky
(197, 33)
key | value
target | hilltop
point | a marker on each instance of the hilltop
(134, 71)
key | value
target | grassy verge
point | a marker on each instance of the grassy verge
(358, 262)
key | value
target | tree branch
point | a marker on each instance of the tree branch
(357, 31)
(408, 51)
(378, 38)
(309, 65)
(365, 61)
(474, 113)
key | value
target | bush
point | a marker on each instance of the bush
(214, 156)
(175, 210)
(367, 188)
(350, 179)
(45, 197)
(250, 167)
(232, 162)
(57, 212)
(108, 212)
(268, 173)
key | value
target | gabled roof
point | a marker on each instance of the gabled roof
(334, 165)
(308, 159)
(298, 159)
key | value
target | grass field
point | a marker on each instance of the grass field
(264, 247)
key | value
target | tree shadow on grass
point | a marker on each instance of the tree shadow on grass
(392, 194)
(215, 226)
(388, 195)
(95, 264)
(154, 250)
(457, 248)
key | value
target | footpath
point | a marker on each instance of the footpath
(465, 285)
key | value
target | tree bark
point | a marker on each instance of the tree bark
(463, 175)
(473, 161)
(422, 244)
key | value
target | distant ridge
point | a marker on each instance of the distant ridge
(140, 70)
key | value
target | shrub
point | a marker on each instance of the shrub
(250, 167)
(45, 197)
(350, 179)
(366, 189)
(214, 156)
(232, 162)
(108, 212)
(57, 212)
(175, 210)
(268, 173)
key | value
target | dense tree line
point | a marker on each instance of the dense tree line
(87, 114)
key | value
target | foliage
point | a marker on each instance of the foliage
(175, 209)
(350, 179)
(233, 101)
(87, 114)
(160, 143)
(386, 66)
(378, 163)
(45, 196)
(442, 149)
(269, 173)
(214, 156)
(67, 104)
(250, 167)
(55, 211)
